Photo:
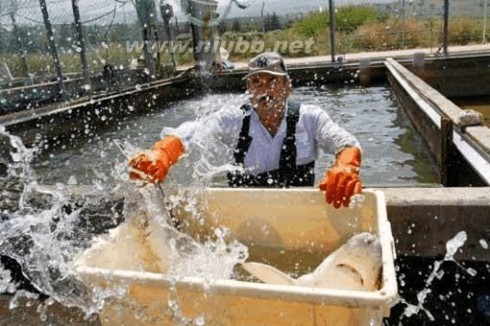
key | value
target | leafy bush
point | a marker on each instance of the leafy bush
(349, 18)
(312, 23)
(389, 35)
(463, 30)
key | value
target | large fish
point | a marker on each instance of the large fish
(356, 265)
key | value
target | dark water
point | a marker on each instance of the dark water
(457, 298)
(54, 314)
(393, 154)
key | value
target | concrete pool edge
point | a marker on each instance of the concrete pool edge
(461, 150)
(424, 219)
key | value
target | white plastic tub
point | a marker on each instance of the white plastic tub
(293, 219)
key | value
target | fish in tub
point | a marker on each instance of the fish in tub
(356, 265)
(141, 254)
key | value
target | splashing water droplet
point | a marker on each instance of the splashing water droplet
(452, 247)
(72, 180)
(484, 244)
(471, 271)
(200, 321)
(454, 244)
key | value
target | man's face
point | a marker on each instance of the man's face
(267, 90)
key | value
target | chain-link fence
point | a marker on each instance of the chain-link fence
(60, 41)
(405, 24)
(106, 27)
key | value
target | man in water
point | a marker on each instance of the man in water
(276, 141)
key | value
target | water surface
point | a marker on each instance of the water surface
(393, 154)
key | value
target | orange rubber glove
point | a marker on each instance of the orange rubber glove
(342, 179)
(153, 165)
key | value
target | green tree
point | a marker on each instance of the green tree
(274, 22)
(236, 27)
(222, 27)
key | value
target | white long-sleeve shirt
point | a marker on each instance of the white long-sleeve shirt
(315, 130)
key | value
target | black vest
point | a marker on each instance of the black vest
(288, 174)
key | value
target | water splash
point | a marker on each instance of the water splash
(214, 260)
(46, 228)
(41, 230)
(357, 201)
(452, 246)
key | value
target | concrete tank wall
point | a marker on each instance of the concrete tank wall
(55, 124)
(461, 76)
(424, 219)
(439, 122)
